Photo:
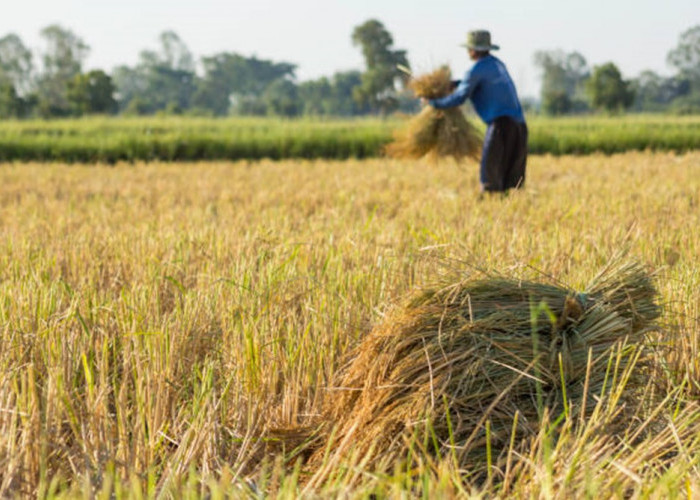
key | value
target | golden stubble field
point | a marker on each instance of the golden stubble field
(158, 318)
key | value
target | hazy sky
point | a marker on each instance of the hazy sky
(315, 34)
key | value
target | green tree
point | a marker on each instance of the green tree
(130, 84)
(556, 102)
(62, 60)
(16, 63)
(377, 91)
(688, 104)
(174, 53)
(332, 96)
(563, 81)
(343, 87)
(654, 92)
(65, 52)
(685, 57)
(281, 98)
(164, 80)
(316, 96)
(169, 74)
(607, 89)
(91, 93)
(170, 89)
(235, 83)
(11, 105)
(247, 105)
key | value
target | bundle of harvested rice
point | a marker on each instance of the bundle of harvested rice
(478, 351)
(433, 132)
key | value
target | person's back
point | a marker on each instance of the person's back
(494, 94)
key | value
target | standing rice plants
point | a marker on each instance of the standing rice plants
(158, 320)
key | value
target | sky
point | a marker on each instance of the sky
(316, 34)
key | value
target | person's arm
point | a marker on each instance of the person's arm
(464, 90)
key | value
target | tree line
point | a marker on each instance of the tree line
(569, 85)
(169, 79)
(164, 80)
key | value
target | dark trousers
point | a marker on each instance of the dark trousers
(504, 155)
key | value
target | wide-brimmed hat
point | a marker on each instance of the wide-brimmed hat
(479, 40)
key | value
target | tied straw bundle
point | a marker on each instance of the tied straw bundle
(472, 354)
(435, 133)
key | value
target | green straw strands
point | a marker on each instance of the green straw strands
(432, 132)
(447, 373)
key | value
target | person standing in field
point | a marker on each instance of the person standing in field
(492, 92)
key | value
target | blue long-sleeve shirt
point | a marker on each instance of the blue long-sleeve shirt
(490, 89)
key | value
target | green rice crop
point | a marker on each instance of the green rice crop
(110, 140)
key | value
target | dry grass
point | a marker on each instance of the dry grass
(157, 320)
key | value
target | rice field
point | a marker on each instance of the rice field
(167, 328)
(170, 138)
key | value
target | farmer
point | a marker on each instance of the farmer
(495, 100)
